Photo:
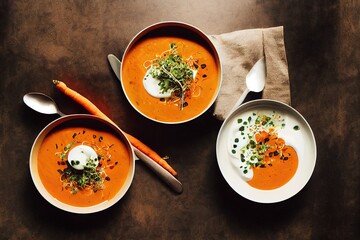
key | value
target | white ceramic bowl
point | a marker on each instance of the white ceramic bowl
(303, 141)
(88, 120)
(175, 29)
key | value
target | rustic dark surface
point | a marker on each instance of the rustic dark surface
(69, 40)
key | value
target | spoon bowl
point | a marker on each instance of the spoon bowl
(41, 103)
(255, 81)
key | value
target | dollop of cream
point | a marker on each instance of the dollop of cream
(80, 155)
(152, 86)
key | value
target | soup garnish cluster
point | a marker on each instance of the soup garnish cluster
(260, 153)
(83, 166)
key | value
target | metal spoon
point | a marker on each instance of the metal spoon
(41, 103)
(45, 104)
(255, 81)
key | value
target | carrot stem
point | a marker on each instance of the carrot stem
(91, 108)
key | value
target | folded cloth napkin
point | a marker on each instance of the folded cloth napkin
(238, 52)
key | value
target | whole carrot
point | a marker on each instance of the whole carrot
(91, 108)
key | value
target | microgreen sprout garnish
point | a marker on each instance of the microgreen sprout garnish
(175, 73)
(62, 155)
(259, 133)
(89, 178)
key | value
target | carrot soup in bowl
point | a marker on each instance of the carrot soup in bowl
(266, 151)
(171, 72)
(81, 163)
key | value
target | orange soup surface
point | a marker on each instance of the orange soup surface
(114, 162)
(206, 80)
(280, 165)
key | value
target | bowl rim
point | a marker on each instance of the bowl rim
(63, 206)
(187, 26)
(291, 188)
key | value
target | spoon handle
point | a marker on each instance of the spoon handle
(240, 100)
(167, 177)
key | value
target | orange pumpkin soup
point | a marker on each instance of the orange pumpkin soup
(278, 166)
(198, 97)
(94, 184)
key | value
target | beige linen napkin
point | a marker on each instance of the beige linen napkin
(238, 52)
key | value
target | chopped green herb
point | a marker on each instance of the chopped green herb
(62, 155)
(252, 153)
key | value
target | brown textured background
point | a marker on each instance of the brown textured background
(69, 40)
